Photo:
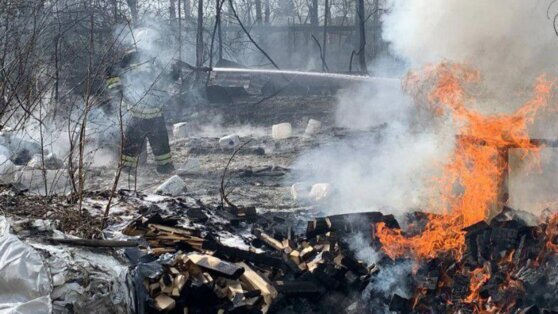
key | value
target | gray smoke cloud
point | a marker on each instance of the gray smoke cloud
(510, 41)
(390, 165)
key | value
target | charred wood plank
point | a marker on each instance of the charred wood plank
(351, 263)
(327, 274)
(299, 288)
(231, 252)
(216, 265)
(94, 242)
(400, 304)
(269, 240)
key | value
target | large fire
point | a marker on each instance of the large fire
(471, 182)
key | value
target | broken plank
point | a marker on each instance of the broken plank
(232, 252)
(164, 303)
(269, 240)
(299, 288)
(181, 231)
(257, 282)
(212, 263)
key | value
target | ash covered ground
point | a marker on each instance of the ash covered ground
(261, 174)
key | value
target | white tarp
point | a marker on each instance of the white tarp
(86, 281)
(24, 281)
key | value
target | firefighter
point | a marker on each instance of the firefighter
(141, 82)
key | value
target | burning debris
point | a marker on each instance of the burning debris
(458, 248)
(507, 266)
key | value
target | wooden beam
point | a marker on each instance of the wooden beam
(94, 242)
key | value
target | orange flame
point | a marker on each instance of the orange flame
(479, 277)
(472, 180)
(552, 234)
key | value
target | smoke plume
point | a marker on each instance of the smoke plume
(511, 42)
(390, 165)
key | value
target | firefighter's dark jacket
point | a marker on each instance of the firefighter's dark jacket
(143, 84)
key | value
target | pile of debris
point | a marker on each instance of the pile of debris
(280, 268)
(186, 255)
(509, 265)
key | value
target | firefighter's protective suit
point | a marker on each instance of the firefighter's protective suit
(142, 83)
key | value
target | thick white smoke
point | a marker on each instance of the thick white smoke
(510, 41)
(388, 167)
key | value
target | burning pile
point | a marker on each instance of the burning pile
(507, 266)
(487, 266)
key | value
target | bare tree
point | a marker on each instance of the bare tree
(361, 23)
(199, 37)
(267, 18)
(172, 13)
(259, 18)
(187, 9)
(133, 5)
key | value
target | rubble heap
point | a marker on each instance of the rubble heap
(188, 256)
(509, 265)
(284, 267)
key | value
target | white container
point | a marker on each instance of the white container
(313, 127)
(174, 186)
(281, 131)
(192, 165)
(181, 130)
(320, 191)
(229, 142)
(300, 191)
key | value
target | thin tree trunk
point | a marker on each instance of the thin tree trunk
(199, 36)
(172, 13)
(324, 45)
(133, 5)
(88, 100)
(259, 12)
(187, 9)
(179, 33)
(118, 169)
(56, 67)
(377, 28)
(218, 7)
(314, 20)
(267, 17)
(115, 10)
(361, 22)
